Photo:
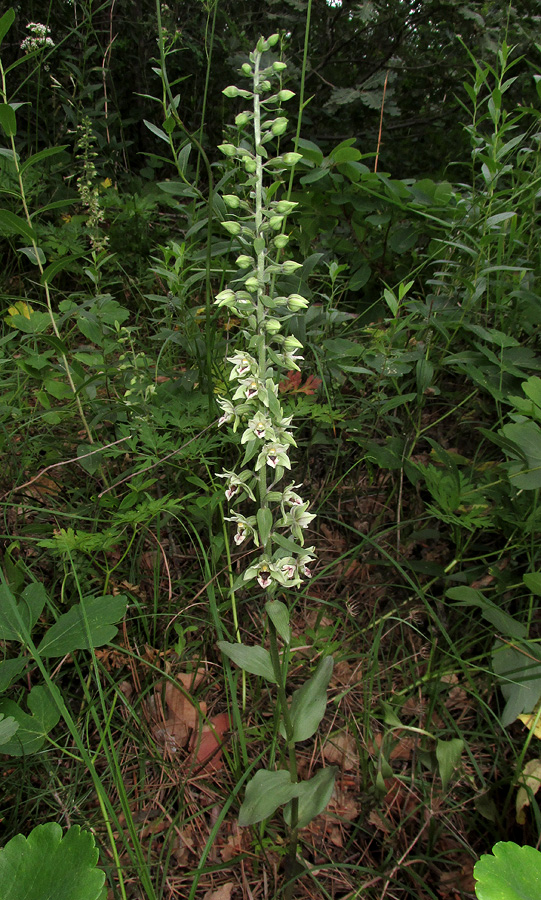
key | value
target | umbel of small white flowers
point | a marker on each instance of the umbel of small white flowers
(253, 402)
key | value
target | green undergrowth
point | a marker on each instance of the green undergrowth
(418, 428)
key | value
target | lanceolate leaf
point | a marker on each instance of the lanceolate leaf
(48, 865)
(264, 794)
(255, 660)
(313, 795)
(88, 624)
(309, 702)
(6, 22)
(12, 224)
(448, 754)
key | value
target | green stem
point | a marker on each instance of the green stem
(280, 672)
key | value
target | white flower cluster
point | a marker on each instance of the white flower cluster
(278, 527)
(38, 37)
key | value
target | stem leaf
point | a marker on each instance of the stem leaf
(278, 613)
(309, 702)
(264, 524)
(264, 794)
(255, 660)
(313, 795)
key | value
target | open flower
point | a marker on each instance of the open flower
(237, 484)
(273, 455)
(246, 528)
(243, 364)
(259, 426)
(263, 570)
(297, 519)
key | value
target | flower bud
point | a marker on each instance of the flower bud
(279, 125)
(244, 262)
(232, 227)
(231, 200)
(227, 149)
(285, 94)
(242, 119)
(279, 66)
(291, 159)
(275, 222)
(295, 303)
(274, 38)
(289, 266)
(291, 343)
(250, 165)
(281, 240)
(231, 91)
(223, 297)
(251, 284)
(285, 206)
(246, 69)
(264, 86)
(272, 326)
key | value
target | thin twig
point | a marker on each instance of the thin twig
(65, 462)
(160, 461)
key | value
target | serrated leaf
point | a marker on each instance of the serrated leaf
(278, 613)
(448, 754)
(18, 618)
(264, 794)
(513, 873)
(45, 864)
(33, 729)
(87, 624)
(255, 660)
(308, 704)
(313, 795)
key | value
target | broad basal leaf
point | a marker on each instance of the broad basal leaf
(46, 865)
(513, 873)
(264, 794)
(255, 660)
(88, 624)
(32, 730)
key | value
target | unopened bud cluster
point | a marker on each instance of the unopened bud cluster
(257, 223)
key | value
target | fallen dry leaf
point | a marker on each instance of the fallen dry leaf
(530, 778)
(222, 893)
(341, 750)
(208, 743)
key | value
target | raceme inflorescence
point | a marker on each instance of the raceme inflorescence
(279, 514)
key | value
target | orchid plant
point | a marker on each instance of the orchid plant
(280, 515)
